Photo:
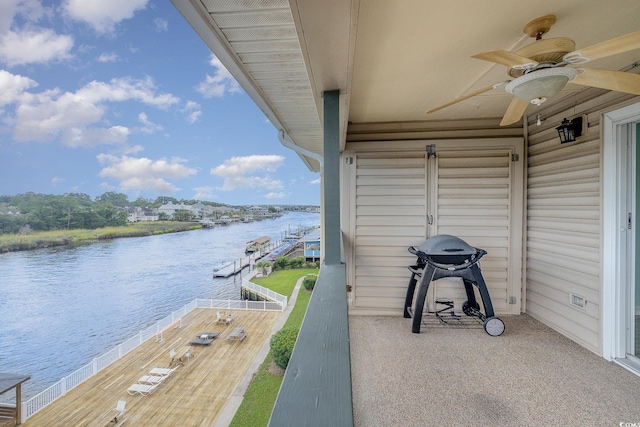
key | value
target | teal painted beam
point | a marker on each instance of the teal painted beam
(331, 177)
(316, 389)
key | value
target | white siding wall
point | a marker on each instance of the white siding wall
(390, 211)
(474, 202)
(564, 226)
(472, 189)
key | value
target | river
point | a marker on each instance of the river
(62, 307)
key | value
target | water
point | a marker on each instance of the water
(62, 307)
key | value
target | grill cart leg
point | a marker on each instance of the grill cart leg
(408, 301)
(492, 325)
(427, 275)
(484, 292)
(471, 295)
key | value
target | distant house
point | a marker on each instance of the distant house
(198, 209)
(169, 209)
(149, 215)
(138, 214)
(311, 244)
(258, 211)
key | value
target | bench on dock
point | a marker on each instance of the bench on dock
(7, 415)
(175, 324)
(238, 334)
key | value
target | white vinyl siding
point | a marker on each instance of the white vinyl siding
(397, 199)
(474, 198)
(563, 234)
(390, 211)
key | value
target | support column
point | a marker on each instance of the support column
(331, 175)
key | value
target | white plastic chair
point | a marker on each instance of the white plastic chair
(173, 355)
(189, 354)
(120, 409)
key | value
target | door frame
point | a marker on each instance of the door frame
(614, 307)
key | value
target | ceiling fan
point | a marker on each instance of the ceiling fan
(540, 70)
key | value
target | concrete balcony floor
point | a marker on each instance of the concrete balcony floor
(531, 375)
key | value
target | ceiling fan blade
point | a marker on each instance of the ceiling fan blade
(614, 46)
(506, 58)
(462, 98)
(611, 80)
(514, 112)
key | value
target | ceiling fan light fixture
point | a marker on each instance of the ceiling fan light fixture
(541, 84)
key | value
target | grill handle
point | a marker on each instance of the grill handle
(474, 259)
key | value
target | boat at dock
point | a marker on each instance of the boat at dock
(257, 245)
(207, 223)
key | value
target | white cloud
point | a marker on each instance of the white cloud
(56, 180)
(103, 16)
(77, 117)
(12, 86)
(193, 111)
(162, 25)
(108, 57)
(315, 182)
(149, 127)
(203, 193)
(125, 89)
(91, 137)
(27, 47)
(221, 82)
(30, 44)
(194, 116)
(30, 10)
(144, 174)
(239, 172)
(275, 195)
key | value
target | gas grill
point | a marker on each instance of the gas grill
(449, 256)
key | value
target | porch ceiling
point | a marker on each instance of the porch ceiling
(392, 61)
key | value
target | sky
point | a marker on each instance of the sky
(123, 96)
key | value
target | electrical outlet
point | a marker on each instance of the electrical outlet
(577, 301)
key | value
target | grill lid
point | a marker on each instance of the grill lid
(446, 245)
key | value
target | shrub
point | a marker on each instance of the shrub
(309, 282)
(282, 344)
(281, 263)
(296, 262)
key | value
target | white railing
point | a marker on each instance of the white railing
(59, 389)
(241, 305)
(266, 293)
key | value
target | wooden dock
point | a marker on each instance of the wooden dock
(194, 395)
(232, 267)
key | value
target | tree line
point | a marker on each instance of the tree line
(42, 212)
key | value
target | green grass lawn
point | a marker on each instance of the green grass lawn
(256, 407)
(45, 239)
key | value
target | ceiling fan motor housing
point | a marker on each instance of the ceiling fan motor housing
(547, 51)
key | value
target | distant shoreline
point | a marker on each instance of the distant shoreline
(76, 237)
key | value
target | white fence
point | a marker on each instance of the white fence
(266, 293)
(59, 389)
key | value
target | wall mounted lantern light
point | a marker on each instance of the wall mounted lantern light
(569, 130)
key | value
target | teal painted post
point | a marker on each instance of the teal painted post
(331, 177)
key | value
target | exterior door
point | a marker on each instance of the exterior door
(390, 215)
(621, 232)
(636, 284)
(633, 237)
(475, 200)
